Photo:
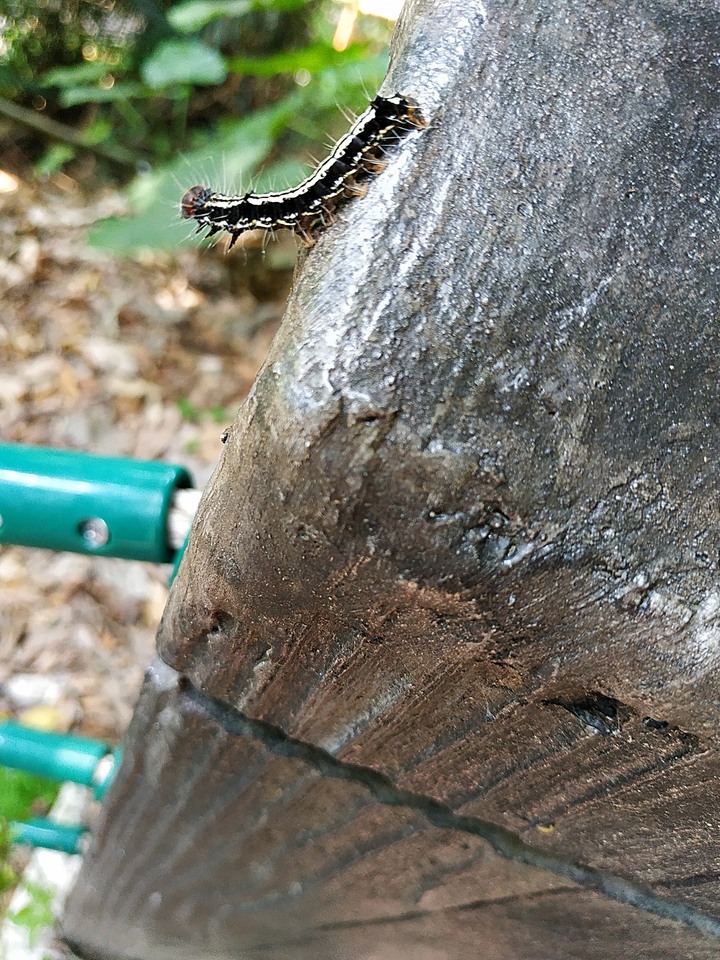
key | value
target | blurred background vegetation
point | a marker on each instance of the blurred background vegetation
(158, 95)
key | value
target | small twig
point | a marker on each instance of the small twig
(60, 131)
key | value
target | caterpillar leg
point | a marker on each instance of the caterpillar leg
(374, 164)
(306, 237)
(353, 189)
(328, 217)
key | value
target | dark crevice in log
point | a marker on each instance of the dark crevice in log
(503, 841)
(79, 951)
(606, 716)
(599, 713)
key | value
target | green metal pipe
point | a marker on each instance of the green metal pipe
(58, 756)
(40, 832)
(63, 500)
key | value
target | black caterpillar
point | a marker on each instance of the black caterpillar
(356, 156)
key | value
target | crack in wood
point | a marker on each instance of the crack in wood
(503, 841)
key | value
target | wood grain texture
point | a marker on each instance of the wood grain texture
(225, 845)
(464, 533)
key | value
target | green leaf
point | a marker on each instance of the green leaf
(220, 414)
(188, 410)
(196, 14)
(99, 129)
(54, 159)
(21, 791)
(193, 15)
(120, 91)
(146, 231)
(36, 916)
(75, 75)
(183, 61)
(313, 58)
(8, 877)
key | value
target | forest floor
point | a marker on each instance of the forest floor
(148, 357)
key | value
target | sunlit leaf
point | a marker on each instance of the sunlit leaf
(183, 61)
(196, 14)
(76, 75)
(193, 15)
(313, 58)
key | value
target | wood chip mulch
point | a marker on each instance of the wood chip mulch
(144, 357)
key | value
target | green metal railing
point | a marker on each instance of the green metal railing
(105, 506)
(57, 756)
(108, 506)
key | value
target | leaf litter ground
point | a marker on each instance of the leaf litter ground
(147, 357)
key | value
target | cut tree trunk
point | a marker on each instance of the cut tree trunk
(448, 627)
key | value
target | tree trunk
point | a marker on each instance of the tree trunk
(449, 621)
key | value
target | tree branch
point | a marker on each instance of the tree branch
(55, 130)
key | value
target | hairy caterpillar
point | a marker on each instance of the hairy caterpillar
(355, 156)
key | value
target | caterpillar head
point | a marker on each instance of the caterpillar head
(193, 202)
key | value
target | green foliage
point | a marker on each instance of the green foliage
(36, 916)
(196, 14)
(183, 61)
(36, 36)
(67, 77)
(8, 878)
(238, 92)
(189, 410)
(194, 414)
(313, 58)
(22, 794)
(154, 197)
(54, 159)
(72, 95)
